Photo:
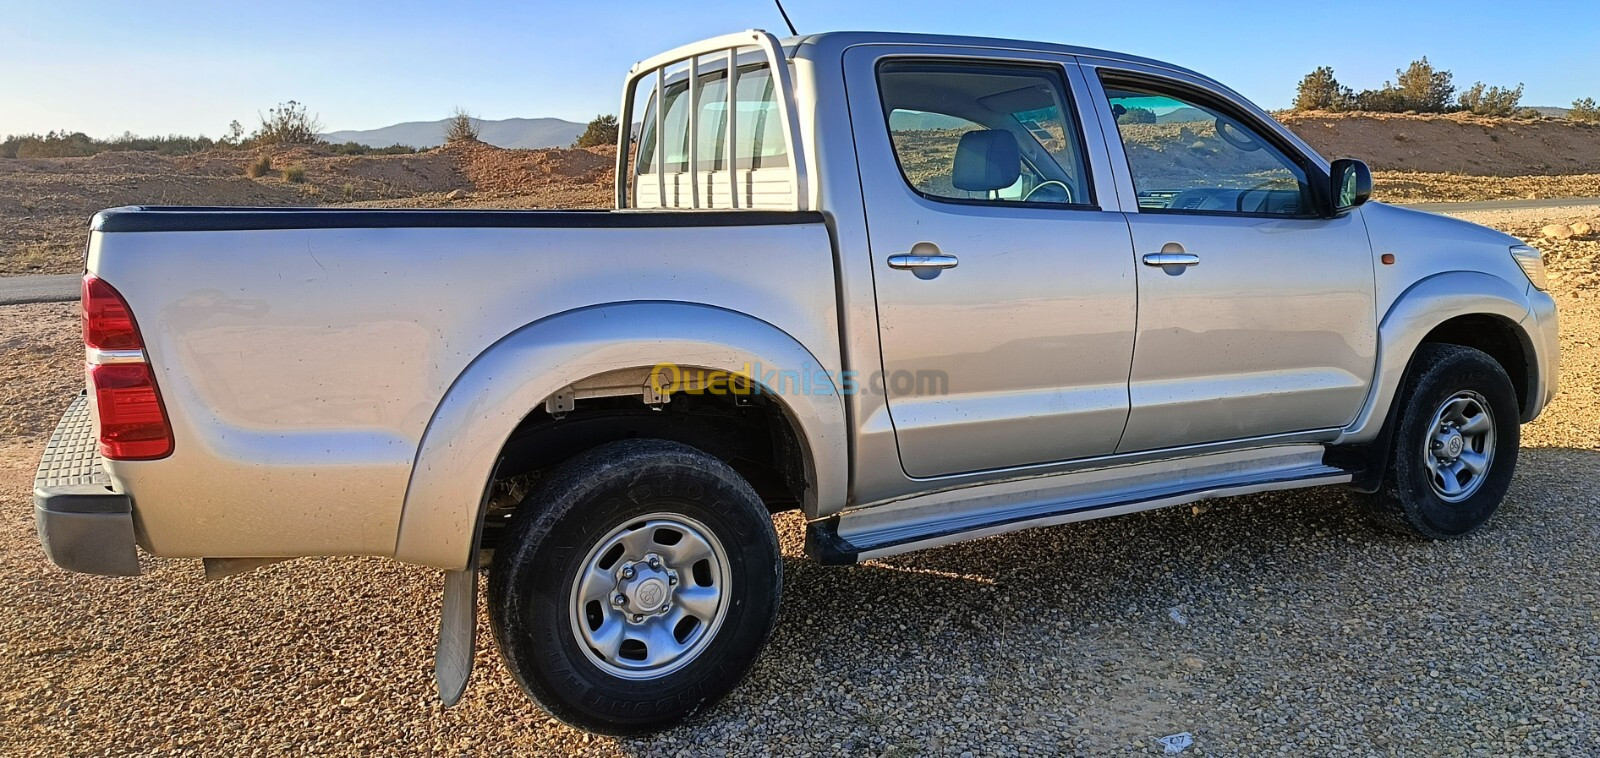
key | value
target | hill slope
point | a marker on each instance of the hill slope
(526, 133)
(1455, 143)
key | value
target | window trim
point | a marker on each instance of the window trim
(1048, 69)
(1316, 178)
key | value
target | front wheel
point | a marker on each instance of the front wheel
(1455, 445)
(635, 586)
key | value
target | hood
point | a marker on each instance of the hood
(1445, 231)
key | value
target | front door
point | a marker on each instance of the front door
(1256, 313)
(1006, 295)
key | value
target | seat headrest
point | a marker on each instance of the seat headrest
(986, 160)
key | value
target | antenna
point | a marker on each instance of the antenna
(786, 20)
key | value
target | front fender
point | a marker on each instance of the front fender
(485, 404)
(1416, 312)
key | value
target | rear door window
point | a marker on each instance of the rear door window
(961, 129)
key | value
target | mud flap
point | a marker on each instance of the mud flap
(458, 638)
(458, 616)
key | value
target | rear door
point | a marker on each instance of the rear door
(1005, 291)
(1256, 314)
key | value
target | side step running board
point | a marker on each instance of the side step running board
(941, 518)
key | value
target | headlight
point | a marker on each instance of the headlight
(1532, 264)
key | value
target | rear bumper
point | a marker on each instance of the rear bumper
(83, 523)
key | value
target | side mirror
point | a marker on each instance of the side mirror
(1351, 184)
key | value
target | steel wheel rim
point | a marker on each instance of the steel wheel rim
(650, 596)
(1459, 448)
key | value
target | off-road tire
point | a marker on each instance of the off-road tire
(1407, 502)
(531, 582)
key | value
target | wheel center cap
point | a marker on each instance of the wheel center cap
(647, 590)
(1453, 444)
(649, 595)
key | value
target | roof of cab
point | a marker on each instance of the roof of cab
(833, 43)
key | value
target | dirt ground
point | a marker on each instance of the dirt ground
(45, 204)
(1269, 623)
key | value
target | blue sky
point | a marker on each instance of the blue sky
(158, 67)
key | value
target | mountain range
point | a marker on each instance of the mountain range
(511, 132)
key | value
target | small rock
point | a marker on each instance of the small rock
(456, 195)
(1581, 229)
(1557, 231)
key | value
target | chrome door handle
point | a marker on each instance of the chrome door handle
(1171, 259)
(909, 262)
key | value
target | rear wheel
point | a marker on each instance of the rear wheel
(1455, 445)
(635, 586)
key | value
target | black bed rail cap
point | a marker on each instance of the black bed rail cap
(157, 218)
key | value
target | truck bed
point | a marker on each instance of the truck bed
(301, 352)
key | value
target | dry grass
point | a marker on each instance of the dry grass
(36, 257)
(258, 167)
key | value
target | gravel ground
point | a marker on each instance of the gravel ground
(1270, 623)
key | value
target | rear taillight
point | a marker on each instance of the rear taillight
(107, 322)
(133, 423)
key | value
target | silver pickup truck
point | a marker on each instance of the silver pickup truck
(921, 288)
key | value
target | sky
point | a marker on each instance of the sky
(177, 66)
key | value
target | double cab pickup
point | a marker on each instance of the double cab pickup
(920, 288)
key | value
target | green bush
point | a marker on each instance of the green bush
(1585, 110)
(1491, 101)
(62, 144)
(356, 148)
(1136, 116)
(287, 124)
(1319, 91)
(349, 192)
(601, 131)
(1424, 88)
(295, 173)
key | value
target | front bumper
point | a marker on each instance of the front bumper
(1543, 328)
(83, 523)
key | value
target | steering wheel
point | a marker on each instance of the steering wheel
(1235, 135)
(1264, 186)
(1063, 185)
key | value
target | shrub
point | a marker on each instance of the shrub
(601, 131)
(356, 148)
(295, 173)
(1585, 110)
(1385, 100)
(1136, 116)
(258, 167)
(461, 127)
(287, 124)
(64, 144)
(349, 192)
(1426, 88)
(1319, 91)
(1490, 101)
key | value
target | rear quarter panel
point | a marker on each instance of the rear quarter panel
(300, 367)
